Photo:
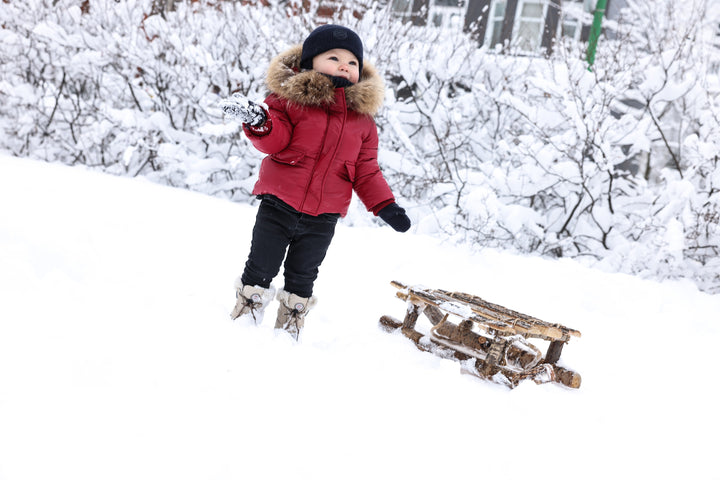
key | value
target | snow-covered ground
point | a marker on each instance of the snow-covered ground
(118, 359)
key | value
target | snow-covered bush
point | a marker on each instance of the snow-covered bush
(617, 164)
(545, 155)
(670, 52)
(134, 93)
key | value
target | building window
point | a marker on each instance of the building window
(528, 30)
(495, 22)
(449, 14)
(402, 8)
(575, 14)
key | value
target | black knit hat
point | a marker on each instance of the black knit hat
(327, 37)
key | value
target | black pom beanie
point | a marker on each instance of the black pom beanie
(327, 37)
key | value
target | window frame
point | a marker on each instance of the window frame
(567, 18)
(400, 13)
(540, 21)
(491, 23)
(446, 12)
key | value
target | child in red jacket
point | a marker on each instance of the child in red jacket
(321, 143)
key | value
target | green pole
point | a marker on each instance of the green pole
(595, 31)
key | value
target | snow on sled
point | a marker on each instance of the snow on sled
(491, 341)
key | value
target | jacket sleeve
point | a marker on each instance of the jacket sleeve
(370, 184)
(275, 135)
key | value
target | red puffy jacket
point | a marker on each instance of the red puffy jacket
(321, 141)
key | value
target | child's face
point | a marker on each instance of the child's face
(338, 62)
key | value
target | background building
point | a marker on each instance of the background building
(526, 26)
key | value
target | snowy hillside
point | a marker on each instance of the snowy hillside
(118, 360)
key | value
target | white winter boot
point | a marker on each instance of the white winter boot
(292, 311)
(251, 301)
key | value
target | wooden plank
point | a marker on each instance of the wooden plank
(493, 315)
(567, 377)
(554, 351)
(389, 324)
(497, 322)
(411, 317)
(518, 320)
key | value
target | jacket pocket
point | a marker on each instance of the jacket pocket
(289, 156)
(350, 167)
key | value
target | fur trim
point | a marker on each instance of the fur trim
(253, 310)
(290, 299)
(310, 88)
(266, 294)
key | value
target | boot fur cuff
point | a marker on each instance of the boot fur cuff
(293, 301)
(247, 291)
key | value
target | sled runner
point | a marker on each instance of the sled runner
(490, 341)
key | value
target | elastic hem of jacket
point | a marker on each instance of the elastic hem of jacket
(376, 209)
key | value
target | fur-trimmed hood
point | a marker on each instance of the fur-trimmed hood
(310, 88)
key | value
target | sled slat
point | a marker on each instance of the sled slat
(493, 315)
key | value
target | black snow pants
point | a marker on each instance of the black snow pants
(279, 228)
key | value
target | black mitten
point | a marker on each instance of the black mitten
(394, 215)
(247, 111)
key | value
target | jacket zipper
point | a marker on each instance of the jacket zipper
(333, 157)
(317, 158)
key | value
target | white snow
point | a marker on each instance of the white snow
(118, 359)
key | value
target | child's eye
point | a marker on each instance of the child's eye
(333, 58)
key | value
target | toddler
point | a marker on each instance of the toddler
(318, 132)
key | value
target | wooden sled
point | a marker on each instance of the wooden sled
(490, 341)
